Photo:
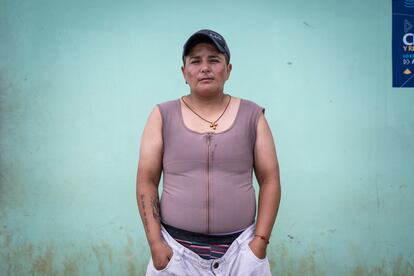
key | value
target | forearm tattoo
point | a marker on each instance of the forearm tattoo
(144, 213)
(156, 211)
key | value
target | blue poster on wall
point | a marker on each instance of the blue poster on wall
(403, 43)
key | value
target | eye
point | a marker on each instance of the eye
(214, 60)
(194, 61)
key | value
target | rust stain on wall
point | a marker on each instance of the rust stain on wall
(396, 267)
(43, 264)
(68, 260)
(28, 259)
(129, 251)
(15, 260)
(71, 265)
(104, 255)
(313, 263)
(282, 262)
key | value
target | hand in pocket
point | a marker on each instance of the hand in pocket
(258, 248)
(161, 255)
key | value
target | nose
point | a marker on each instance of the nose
(205, 67)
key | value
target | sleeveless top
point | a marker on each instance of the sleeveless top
(207, 177)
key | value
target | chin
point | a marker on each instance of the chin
(207, 92)
(208, 89)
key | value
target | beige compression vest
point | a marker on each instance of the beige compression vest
(207, 177)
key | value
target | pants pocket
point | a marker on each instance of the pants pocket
(151, 270)
(250, 252)
(247, 264)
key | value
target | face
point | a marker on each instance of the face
(206, 70)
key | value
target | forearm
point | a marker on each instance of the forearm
(149, 209)
(269, 199)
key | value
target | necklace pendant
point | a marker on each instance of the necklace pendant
(213, 125)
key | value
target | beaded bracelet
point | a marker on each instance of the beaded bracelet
(263, 238)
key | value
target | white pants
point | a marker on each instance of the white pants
(239, 260)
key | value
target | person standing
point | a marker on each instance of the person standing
(207, 145)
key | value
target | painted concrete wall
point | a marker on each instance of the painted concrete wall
(79, 78)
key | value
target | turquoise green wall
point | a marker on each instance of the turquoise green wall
(79, 78)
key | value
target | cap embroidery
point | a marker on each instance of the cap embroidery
(215, 36)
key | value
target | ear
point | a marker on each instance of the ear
(229, 67)
(182, 71)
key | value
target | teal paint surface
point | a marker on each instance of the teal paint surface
(79, 78)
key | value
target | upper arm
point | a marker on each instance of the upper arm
(151, 149)
(265, 159)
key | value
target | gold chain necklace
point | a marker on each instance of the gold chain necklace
(213, 124)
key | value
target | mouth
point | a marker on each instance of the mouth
(205, 79)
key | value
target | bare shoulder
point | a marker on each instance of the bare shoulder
(150, 157)
(154, 117)
(151, 139)
(265, 151)
(264, 134)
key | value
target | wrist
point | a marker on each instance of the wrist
(262, 238)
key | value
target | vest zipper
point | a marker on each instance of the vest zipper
(208, 182)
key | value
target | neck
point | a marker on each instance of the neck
(207, 101)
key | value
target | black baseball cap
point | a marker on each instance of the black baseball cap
(207, 35)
